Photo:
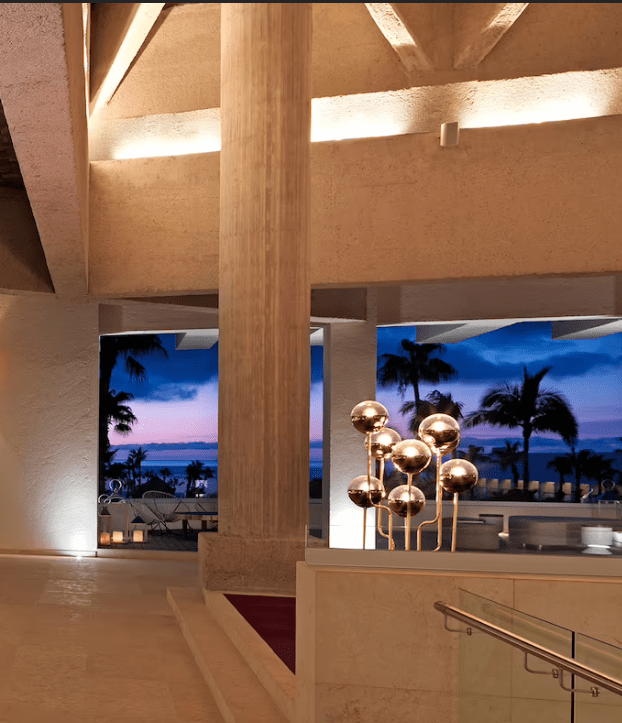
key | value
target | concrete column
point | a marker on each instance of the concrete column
(264, 289)
(349, 378)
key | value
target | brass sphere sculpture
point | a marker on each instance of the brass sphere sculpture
(441, 433)
(369, 416)
(399, 500)
(380, 444)
(366, 492)
(458, 475)
(411, 456)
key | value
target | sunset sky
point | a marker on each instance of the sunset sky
(179, 400)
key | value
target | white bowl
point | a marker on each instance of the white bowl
(597, 536)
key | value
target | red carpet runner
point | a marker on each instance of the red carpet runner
(274, 618)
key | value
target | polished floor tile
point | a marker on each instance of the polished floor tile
(94, 639)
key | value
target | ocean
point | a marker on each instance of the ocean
(178, 459)
(178, 471)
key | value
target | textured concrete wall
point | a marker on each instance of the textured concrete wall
(516, 201)
(48, 424)
(154, 225)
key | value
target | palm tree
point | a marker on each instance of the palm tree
(435, 403)
(130, 349)
(194, 471)
(166, 472)
(117, 470)
(417, 364)
(563, 466)
(599, 468)
(580, 464)
(526, 406)
(113, 410)
(131, 471)
(474, 454)
(140, 455)
(508, 457)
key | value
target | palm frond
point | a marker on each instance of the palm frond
(135, 369)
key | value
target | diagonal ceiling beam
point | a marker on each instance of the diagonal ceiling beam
(119, 31)
(43, 94)
(481, 41)
(392, 25)
(585, 328)
(452, 333)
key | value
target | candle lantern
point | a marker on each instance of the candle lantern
(104, 520)
(138, 529)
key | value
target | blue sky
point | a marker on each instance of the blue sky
(587, 372)
(179, 400)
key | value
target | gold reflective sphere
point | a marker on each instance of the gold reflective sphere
(399, 503)
(411, 456)
(458, 475)
(381, 443)
(364, 492)
(440, 432)
(369, 416)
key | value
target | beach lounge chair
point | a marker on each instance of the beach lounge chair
(162, 512)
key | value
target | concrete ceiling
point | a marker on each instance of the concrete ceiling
(142, 80)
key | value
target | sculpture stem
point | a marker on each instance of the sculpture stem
(439, 505)
(407, 527)
(381, 507)
(454, 527)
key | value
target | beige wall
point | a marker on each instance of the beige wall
(508, 202)
(48, 424)
(371, 646)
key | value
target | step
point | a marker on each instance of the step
(239, 695)
(271, 671)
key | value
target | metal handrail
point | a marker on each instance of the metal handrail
(559, 661)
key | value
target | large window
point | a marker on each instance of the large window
(159, 416)
(512, 388)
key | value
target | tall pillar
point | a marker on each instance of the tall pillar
(264, 297)
(349, 378)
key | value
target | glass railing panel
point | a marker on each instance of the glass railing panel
(605, 659)
(494, 685)
(541, 632)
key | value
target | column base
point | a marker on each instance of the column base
(250, 565)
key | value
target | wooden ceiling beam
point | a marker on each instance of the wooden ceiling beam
(42, 85)
(119, 31)
(481, 41)
(408, 47)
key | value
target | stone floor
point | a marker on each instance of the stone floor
(94, 639)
